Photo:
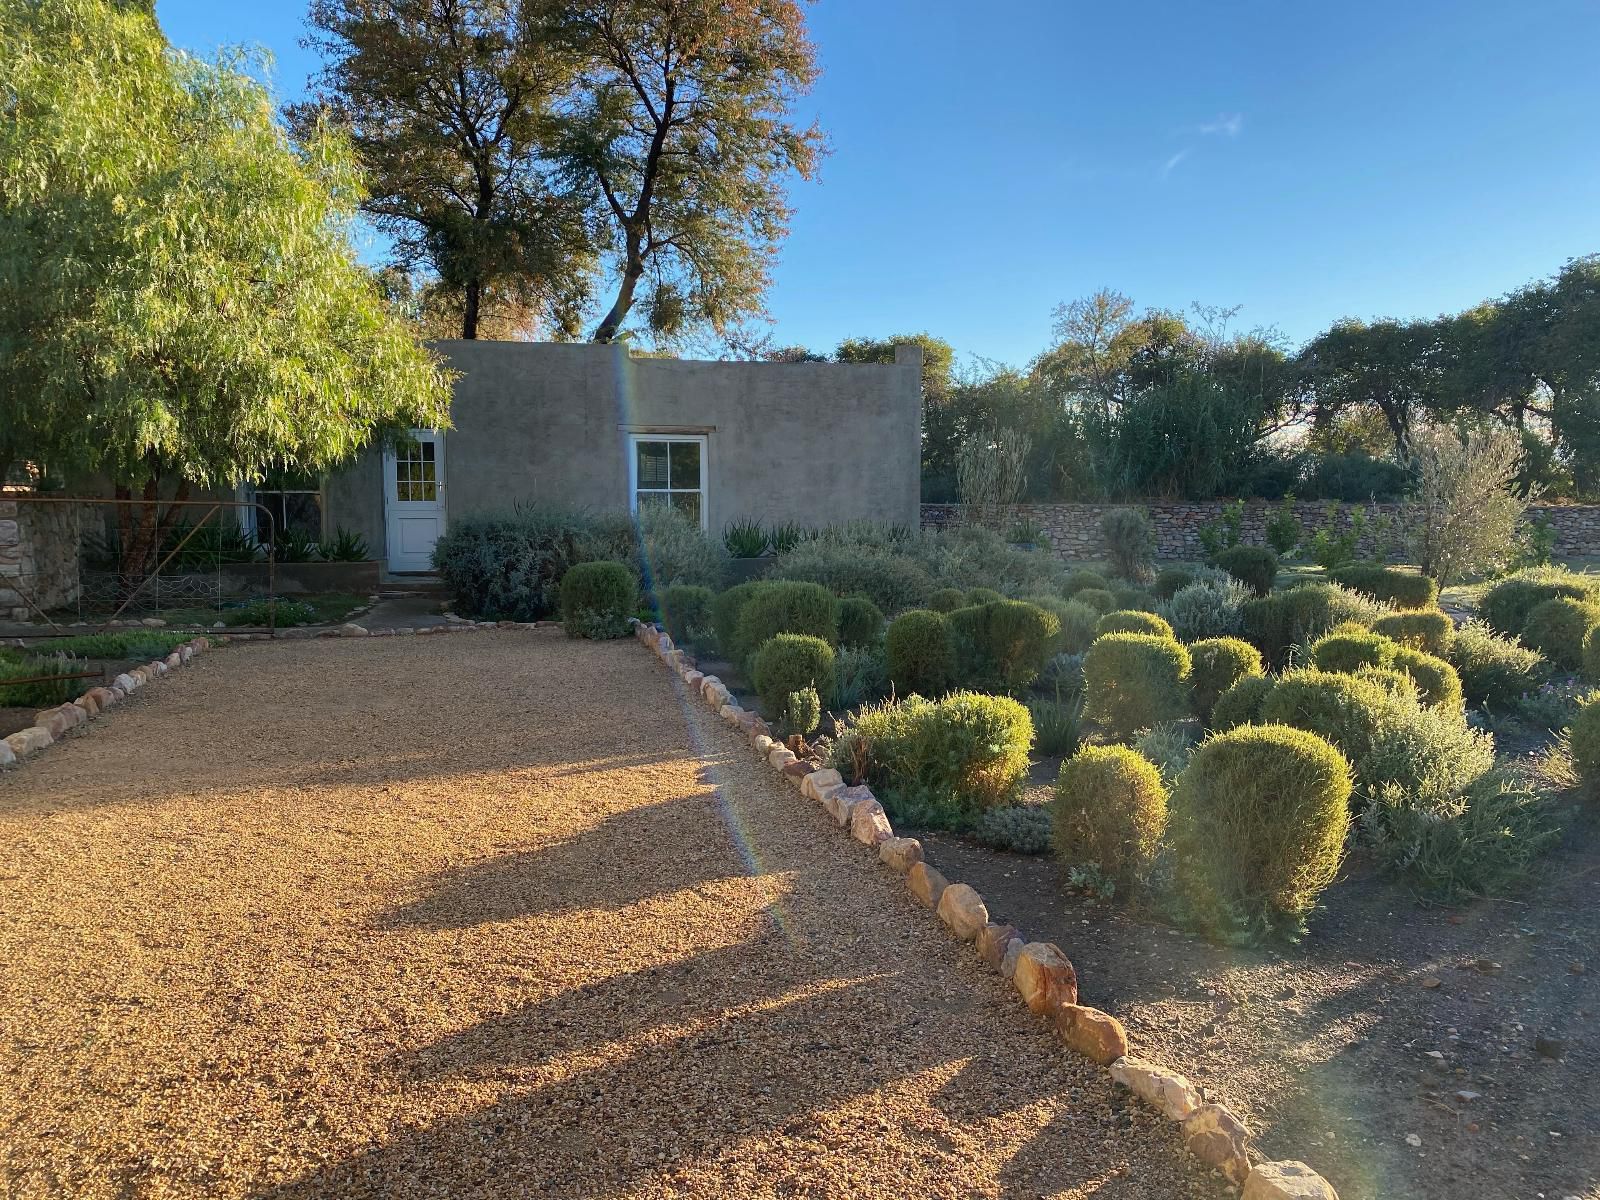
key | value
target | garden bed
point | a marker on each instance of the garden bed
(1327, 1047)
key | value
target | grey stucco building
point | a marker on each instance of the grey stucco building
(583, 424)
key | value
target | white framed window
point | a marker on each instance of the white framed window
(668, 469)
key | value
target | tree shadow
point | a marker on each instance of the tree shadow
(620, 861)
(652, 1078)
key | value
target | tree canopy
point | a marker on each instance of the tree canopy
(453, 107)
(523, 151)
(179, 297)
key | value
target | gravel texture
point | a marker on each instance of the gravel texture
(498, 915)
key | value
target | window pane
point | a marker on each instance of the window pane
(685, 464)
(645, 500)
(652, 464)
(430, 491)
(688, 503)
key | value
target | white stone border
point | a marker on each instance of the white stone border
(51, 724)
(1039, 971)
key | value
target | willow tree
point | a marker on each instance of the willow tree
(682, 122)
(180, 303)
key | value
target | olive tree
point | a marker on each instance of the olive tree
(1464, 516)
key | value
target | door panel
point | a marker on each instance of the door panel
(414, 504)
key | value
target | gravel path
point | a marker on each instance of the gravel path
(495, 915)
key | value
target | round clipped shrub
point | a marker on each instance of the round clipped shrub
(1102, 600)
(1275, 623)
(1215, 665)
(1080, 578)
(1584, 738)
(1170, 579)
(785, 606)
(1403, 589)
(1127, 620)
(1350, 649)
(1496, 670)
(1109, 812)
(1003, 644)
(686, 611)
(1507, 605)
(597, 598)
(1557, 629)
(1349, 712)
(1254, 566)
(919, 653)
(860, 622)
(947, 600)
(1131, 598)
(1241, 703)
(1591, 653)
(1435, 679)
(725, 611)
(1135, 680)
(1396, 683)
(983, 595)
(1259, 819)
(1078, 623)
(1430, 631)
(944, 760)
(789, 662)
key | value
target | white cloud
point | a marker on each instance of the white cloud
(1171, 163)
(1224, 125)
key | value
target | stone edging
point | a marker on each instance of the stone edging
(51, 724)
(1041, 973)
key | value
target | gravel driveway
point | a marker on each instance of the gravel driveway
(495, 915)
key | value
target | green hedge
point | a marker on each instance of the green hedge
(1584, 738)
(1557, 628)
(1495, 670)
(1430, 631)
(1505, 606)
(1275, 623)
(597, 598)
(1241, 703)
(1403, 589)
(919, 653)
(785, 606)
(1254, 566)
(1135, 680)
(1127, 620)
(1259, 819)
(787, 663)
(1215, 665)
(860, 621)
(1001, 645)
(941, 761)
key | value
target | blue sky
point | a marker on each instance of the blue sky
(1305, 162)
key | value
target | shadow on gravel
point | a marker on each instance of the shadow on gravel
(618, 862)
(744, 1050)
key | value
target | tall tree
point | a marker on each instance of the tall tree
(1394, 368)
(683, 124)
(180, 301)
(452, 107)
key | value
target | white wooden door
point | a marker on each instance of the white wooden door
(413, 490)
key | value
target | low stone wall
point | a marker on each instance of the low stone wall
(1074, 529)
(38, 557)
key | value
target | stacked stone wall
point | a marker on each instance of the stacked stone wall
(1073, 530)
(38, 556)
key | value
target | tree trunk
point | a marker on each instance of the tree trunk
(469, 311)
(609, 327)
